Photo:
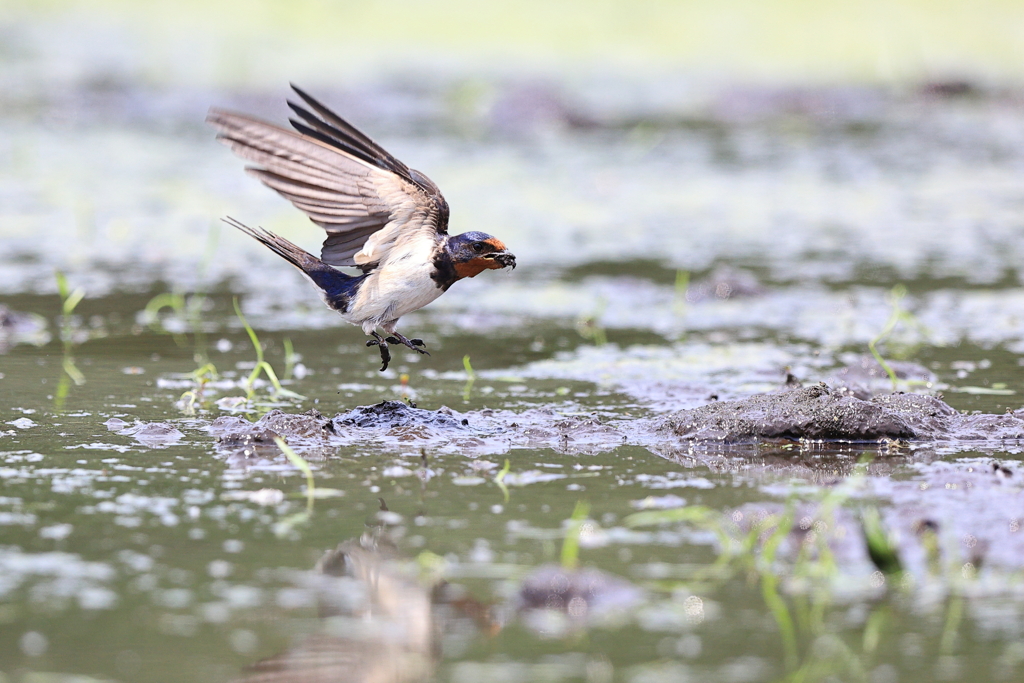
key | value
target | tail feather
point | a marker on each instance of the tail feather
(292, 253)
(336, 288)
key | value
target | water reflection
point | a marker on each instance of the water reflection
(377, 622)
(17, 327)
(817, 463)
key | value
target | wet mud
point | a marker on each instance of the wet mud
(817, 413)
(154, 434)
(821, 413)
(397, 425)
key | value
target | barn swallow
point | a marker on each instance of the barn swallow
(381, 216)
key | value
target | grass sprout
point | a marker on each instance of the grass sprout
(881, 545)
(300, 463)
(262, 366)
(189, 310)
(589, 326)
(499, 478)
(770, 586)
(172, 300)
(470, 378)
(290, 358)
(796, 575)
(571, 543)
(188, 401)
(193, 397)
(896, 316)
(951, 624)
(679, 297)
(69, 300)
(186, 308)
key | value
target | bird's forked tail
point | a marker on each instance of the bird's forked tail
(336, 288)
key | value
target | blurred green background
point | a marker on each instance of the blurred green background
(166, 42)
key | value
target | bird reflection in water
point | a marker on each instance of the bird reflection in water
(379, 623)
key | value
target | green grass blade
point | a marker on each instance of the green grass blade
(252, 334)
(571, 543)
(298, 461)
(73, 372)
(499, 479)
(281, 391)
(470, 378)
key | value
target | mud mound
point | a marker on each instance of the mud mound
(246, 444)
(389, 414)
(817, 413)
(308, 425)
(393, 425)
(154, 434)
(822, 413)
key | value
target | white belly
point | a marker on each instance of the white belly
(400, 285)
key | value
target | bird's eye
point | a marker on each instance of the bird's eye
(479, 247)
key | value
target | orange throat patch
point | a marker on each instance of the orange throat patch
(474, 267)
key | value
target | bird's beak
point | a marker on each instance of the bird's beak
(505, 258)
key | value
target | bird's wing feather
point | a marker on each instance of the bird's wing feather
(366, 200)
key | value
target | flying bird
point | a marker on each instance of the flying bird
(381, 216)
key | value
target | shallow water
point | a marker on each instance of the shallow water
(144, 549)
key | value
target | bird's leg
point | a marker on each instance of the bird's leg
(414, 344)
(385, 355)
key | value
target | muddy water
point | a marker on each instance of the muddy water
(666, 261)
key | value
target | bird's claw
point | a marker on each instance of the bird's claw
(413, 344)
(385, 354)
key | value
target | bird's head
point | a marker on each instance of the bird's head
(474, 252)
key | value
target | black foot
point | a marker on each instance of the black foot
(413, 344)
(382, 344)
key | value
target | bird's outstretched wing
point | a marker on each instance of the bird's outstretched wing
(368, 201)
